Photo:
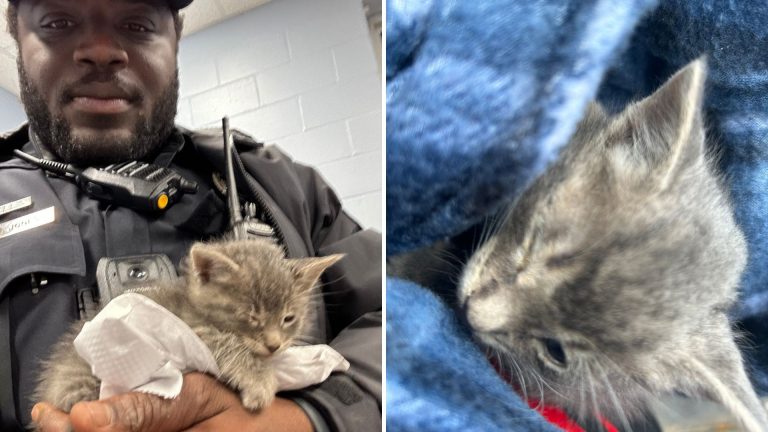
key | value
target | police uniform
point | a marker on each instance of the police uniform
(47, 266)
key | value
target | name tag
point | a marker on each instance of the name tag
(27, 222)
(15, 205)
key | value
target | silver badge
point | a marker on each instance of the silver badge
(27, 222)
(15, 205)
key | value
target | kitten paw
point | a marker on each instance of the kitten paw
(256, 399)
(67, 401)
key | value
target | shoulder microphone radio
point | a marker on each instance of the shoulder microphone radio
(133, 184)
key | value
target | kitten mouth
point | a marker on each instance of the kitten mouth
(257, 348)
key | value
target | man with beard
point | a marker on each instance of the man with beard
(100, 86)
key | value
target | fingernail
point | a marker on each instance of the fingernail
(99, 414)
(35, 412)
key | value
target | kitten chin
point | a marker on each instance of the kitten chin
(244, 300)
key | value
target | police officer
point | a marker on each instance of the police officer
(99, 84)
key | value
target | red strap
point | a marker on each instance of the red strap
(551, 413)
(559, 418)
(556, 416)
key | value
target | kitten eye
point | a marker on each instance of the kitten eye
(561, 260)
(555, 352)
(288, 319)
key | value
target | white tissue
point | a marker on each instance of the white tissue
(134, 344)
(302, 366)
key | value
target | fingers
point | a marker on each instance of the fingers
(201, 397)
(48, 418)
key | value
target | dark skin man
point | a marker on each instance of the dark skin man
(99, 81)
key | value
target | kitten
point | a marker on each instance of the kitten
(237, 296)
(610, 280)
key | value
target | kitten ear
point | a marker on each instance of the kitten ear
(210, 265)
(308, 270)
(717, 371)
(594, 112)
(665, 130)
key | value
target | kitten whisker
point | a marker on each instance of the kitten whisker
(504, 215)
(614, 399)
(618, 370)
(582, 414)
(523, 385)
(443, 272)
(489, 228)
(323, 283)
(537, 379)
(501, 364)
(450, 256)
(455, 266)
(544, 381)
(314, 297)
(309, 296)
(593, 394)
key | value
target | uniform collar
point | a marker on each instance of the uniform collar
(170, 149)
(23, 136)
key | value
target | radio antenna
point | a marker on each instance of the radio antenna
(235, 217)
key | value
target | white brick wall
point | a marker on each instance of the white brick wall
(301, 74)
(11, 111)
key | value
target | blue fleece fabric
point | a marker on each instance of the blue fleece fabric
(481, 96)
(441, 380)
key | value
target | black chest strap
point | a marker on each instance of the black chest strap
(8, 409)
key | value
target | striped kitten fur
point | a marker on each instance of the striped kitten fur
(609, 281)
(244, 300)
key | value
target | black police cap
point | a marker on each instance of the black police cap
(174, 4)
(179, 4)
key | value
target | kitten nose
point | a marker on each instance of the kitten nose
(273, 340)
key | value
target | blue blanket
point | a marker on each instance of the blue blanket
(480, 98)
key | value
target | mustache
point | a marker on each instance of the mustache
(129, 90)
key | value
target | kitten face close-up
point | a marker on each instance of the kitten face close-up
(252, 292)
(609, 280)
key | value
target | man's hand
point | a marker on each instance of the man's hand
(204, 404)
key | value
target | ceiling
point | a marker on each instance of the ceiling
(199, 15)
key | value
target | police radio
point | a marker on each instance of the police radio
(137, 185)
(241, 226)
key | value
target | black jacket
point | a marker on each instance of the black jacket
(42, 269)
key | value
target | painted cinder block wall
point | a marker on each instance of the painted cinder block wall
(11, 111)
(301, 74)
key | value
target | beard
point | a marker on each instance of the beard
(55, 132)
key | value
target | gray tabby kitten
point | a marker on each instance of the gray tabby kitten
(244, 300)
(610, 279)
